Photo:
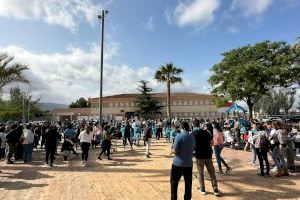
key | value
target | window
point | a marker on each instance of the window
(200, 102)
(119, 104)
(105, 105)
(185, 103)
(196, 103)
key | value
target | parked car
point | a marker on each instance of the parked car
(270, 119)
(295, 119)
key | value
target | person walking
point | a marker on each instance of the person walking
(183, 148)
(147, 137)
(203, 153)
(127, 135)
(50, 140)
(28, 139)
(218, 146)
(85, 139)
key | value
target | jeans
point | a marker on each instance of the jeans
(220, 160)
(176, 174)
(85, 150)
(278, 158)
(148, 142)
(125, 140)
(262, 155)
(211, 170)
(253, 159)
(27, 152)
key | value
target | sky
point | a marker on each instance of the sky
(59, 40)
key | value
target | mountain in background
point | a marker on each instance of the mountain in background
(52, 106)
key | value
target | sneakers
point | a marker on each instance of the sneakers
(50, 166)
(274, 169)
(147, 156)
(217, 192)
(202, 191)
(220, 172)
(99, 158)
(228, 170)
(45, 163)
(108, 158)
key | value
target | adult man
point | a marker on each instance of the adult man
(204, 141)
(147, 138)
(12, 139)
(127, 134)
(183, 148)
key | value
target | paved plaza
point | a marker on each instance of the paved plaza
(131, 176)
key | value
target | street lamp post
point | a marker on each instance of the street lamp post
(101, 17)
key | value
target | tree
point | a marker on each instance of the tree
(170, 75)
(11, 72)
(18, 105)
(276, 101)
(146, 106)
(249, 72)
(80, 103)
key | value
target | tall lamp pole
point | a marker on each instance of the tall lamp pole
(101, 18)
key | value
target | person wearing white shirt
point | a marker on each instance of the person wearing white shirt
(28, 138)
(85, 138)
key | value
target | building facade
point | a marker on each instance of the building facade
(183, 105)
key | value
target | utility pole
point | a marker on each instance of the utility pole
(23, 120)
(101, 17)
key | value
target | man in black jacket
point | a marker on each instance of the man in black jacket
(51, 136)
(12, 139)
(127, 135)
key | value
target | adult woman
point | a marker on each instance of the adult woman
(218, 146)
(277, 147)
(261, 144)
(85, 139)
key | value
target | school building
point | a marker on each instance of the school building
(117, 107)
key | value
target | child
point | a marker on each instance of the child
(106, 145)
(67, 147)
(228, 136)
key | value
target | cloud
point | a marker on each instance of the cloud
(232, 30)
(251, 7)
(66, 13)
(196, 13)
(64, 77)
(149, 26)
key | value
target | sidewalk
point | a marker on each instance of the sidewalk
(131, 176)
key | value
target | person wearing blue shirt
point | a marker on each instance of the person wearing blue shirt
(137, 134)
(168, 134)
(183, 148)
(70, 132)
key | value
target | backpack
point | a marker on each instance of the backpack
(264, 143)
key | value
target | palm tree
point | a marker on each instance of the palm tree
(170, 74)
(297, 45)
(10, 72)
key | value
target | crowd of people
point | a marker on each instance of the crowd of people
(197, 138)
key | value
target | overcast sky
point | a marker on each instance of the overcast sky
(60, 39)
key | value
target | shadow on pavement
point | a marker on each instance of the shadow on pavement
(19, 185)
